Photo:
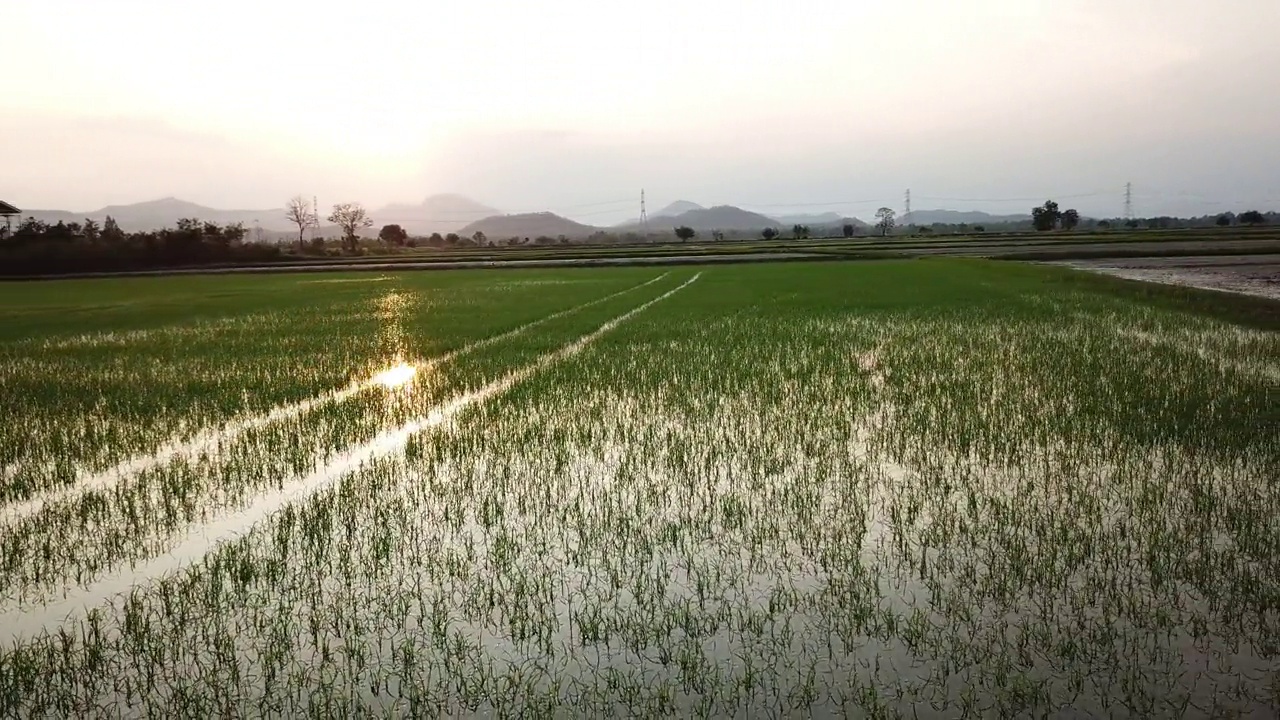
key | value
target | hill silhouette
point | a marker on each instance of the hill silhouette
(530, 225)
(443, 213)
(165, 212)
(955, 217)
(834, 227)
(676, 208)
(724, 217)
(438, 213)
(810, 219)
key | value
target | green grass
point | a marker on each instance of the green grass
(891, 489)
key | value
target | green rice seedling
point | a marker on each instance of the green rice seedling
(891, 489)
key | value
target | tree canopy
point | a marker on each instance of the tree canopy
(1046, 216)
(1252, 217)
(393, 234)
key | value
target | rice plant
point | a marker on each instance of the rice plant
(894, 490)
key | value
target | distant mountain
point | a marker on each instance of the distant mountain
(837, 225)
(677, 208)
(454, 213)
(530, 225)
(165, 212)
(438, 213)
(724, 217)
(56, 216)
(955, 217)
(827, 218)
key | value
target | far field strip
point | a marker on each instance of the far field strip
(25, 621)
(211, 438)
(1256, 276)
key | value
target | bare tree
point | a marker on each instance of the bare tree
(352, 218)
(299, 212)
(884, 220)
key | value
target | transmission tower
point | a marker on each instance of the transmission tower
(906, 210)
(1128, 201)
(315, 217)
(644, 216)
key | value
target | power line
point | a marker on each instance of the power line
(816, 204)
(471, 216)
(624, 201)
(1017, 199)
(872, 201)
(590, 214)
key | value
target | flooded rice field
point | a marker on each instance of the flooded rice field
(1257, 275)
(897, 489)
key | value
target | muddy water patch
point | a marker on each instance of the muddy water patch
(1262, 280)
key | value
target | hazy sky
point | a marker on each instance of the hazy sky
(571, 105)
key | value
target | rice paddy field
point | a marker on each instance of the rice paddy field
(919, 488)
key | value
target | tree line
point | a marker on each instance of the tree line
(35, 246)
(1048, 217)
(38, 247)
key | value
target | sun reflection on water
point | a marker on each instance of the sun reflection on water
(391, 308)
(396, 376)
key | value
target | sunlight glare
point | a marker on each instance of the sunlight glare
(396, 376)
